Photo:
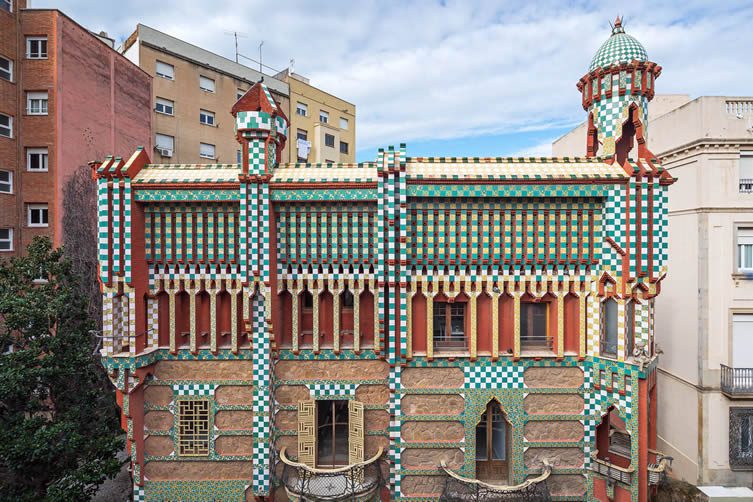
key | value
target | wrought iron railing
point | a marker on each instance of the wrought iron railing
(536, 342)
(451, 342)
(746, 185)
(737, 380)
(658, 469)
(459, 488)
(608, 469)
(356, 482)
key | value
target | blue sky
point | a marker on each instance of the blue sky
(465, 78)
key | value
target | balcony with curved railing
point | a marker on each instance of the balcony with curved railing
(356, 482)
(460, 488)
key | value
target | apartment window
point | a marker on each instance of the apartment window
(608, 335)
(449, 326)
(323, 117)
(742, 347)
(37, 159)
(36, 103)
(239, 94)
(165, 106)
(165, 70)
(206, 117)
(36, 47)
(164, 144)
(6, 125)
(206, 84)
(343, 123)
(6, 239)
(329, 140)
(533, 326)
(193, 427)
(6, 5)
(207, 151)
(746, 172)
(629, 328)
(6, 69)
(741, 438)
(745, 250)
(302, 134)
(302, 109)
(6, 182)
(343, 147)
(36, 215)
(332, 432)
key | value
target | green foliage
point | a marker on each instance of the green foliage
(58, 418)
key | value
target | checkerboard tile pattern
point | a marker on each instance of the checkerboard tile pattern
(619, 48)
(332, 390)
(139, 494)
(494, 377)
(194, 389)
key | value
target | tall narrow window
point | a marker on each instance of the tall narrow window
(323, 117)
(6, 69)
(741, 438)
(6, 126)
(332, 433)
(6, 182)
(608, 335)
(533, 326)
(492, 444)
(193, 427)
(329, 140)
(347, 298)
(745, 173)
(745, 249)
(36, 47)
(6, 5)
(449, 326)
(343, 147)
(629, 328)
(6, 239)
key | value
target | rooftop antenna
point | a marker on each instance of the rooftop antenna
(260, 59)
(236, 34)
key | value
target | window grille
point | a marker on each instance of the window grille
(193, 427)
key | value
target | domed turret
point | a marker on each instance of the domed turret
(619, 48)
(616, 91)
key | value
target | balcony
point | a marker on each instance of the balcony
(746, 185)
(361, 481)
(459, 488)
(611, 471)
(737, 382)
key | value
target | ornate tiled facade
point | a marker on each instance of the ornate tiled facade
(403, 288)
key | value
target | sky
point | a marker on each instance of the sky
(457, 78)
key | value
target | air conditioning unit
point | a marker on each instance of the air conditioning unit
(165, 152)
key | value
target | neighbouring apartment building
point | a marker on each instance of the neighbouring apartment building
(66, 98)
(194, 89)
(704, 318)
(395, 329)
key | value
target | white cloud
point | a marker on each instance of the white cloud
(420, 69)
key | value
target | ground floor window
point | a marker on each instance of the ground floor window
(741, 438)
(193, 427)
(332, 432)
(492, 444)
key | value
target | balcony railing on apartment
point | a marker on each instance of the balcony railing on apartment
(536, 342)
(746, 185)
(459, 488)
(611, 471)
(737, 381)
(361, 481)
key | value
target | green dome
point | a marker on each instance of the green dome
(619, 48)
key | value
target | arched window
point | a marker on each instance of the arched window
(608, 335)
(493, 437)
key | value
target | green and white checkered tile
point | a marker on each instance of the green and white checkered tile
(618, 48)
(332, 390)
(139, 494)
(494, 376)
(194, 389)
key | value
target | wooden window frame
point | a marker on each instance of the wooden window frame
(448, 315)
(549, 345)
(333, 403)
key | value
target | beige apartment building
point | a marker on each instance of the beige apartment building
(194, 89)
(704, 316)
